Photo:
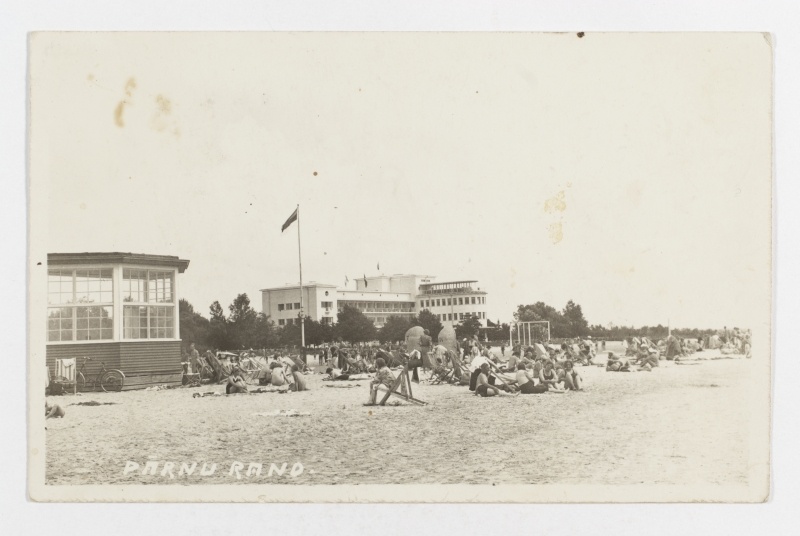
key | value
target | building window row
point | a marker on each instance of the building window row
(455, 317)
(288, 306)
(379, 307)
(444, 302)
(82, 304)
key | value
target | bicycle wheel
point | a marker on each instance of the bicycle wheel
(80, 379)
(112, 381)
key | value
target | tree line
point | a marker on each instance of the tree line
(243, 327)
(570, 323)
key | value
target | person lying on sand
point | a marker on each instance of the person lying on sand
(525, 382)
(299, 383)
(572, 380)
(617, 364)
(51, 412)
(385, 377)
(484, 388)
(335, 374)
(236, 383)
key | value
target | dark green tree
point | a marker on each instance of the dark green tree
(353, 326)
(194, 327)
(573, 314)
(469, 327)
(394, 330)
(428, 321)
(539, 311)
(242, 323)
(264, 333)
(289, 335)
(317, 333)
(218, 336)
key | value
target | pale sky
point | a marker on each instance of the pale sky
(455, 155)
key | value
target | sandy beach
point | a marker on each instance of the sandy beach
(680, 423)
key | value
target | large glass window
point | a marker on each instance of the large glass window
(134, 322)
(84, 300)
(149, 312)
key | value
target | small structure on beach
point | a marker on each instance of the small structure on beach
(120, 309)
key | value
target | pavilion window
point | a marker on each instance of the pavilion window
(149, 310)
(81, 304)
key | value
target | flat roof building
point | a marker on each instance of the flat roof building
(379, 298)
(120, 309)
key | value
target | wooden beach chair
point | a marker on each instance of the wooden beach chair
(401, 381)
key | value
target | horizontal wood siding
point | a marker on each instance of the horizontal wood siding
(96, 352)
(143, 363)
(156, 357)
(144, 381)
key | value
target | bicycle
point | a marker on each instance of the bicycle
(108, 380)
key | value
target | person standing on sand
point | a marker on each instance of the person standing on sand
(194, 358)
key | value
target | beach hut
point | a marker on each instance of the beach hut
(120, 309)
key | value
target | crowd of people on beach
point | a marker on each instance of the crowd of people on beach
(540, 367)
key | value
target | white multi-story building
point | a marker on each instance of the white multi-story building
(379, 298)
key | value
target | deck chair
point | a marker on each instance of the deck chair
(460, 374)
(404, 383)
(66, 373)
(540, 351)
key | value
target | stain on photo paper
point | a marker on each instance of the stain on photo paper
(120, 109)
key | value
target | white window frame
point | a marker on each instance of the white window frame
(75, 305)
(148, 304)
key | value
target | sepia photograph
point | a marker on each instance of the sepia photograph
(518, 267)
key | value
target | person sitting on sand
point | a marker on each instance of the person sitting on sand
(484, 388)
(572, 380)
(299, 383)
(236, 383)
(383, 376)
(51, 412)
(648, 360)
(278, 375)
(512, 363)
(525, 382)
(549, 377)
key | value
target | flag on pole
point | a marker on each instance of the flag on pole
(365, 281)
(291, 220)
(346, 280)
(379, 267)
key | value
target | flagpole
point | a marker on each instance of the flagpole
(302, 310)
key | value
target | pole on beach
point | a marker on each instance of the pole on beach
(302, 307)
